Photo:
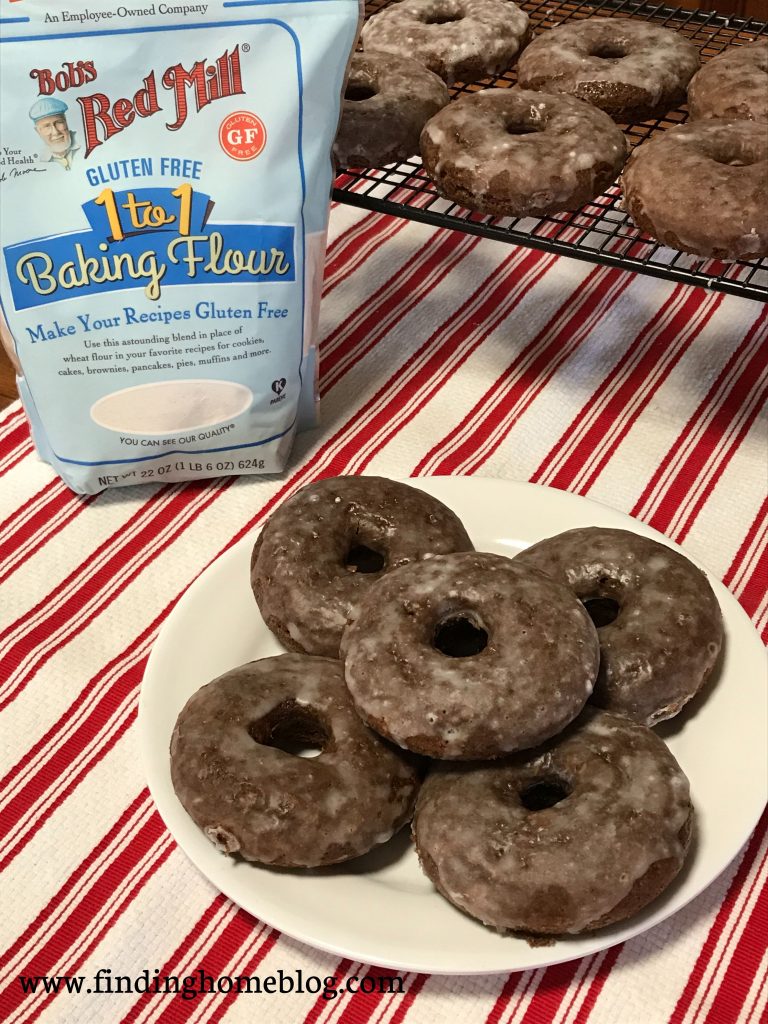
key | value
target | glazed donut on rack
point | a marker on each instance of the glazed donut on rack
(460, 40)
(386, 103)
(518, 153)
(235, 767)
(721, 164)
(632, 69)
(733, 85)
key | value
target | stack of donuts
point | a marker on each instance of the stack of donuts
(502, 705)
(551, 143)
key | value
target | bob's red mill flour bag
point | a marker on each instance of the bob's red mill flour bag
(165, 176)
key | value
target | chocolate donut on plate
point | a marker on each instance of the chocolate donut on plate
(631, 69)
(576, 835)
(702, 188)
(512, 152)
(460, 40)
(387, 101)
(733, 85)
(469, 656)
(234, 772)
(659, 623)
(325, 546)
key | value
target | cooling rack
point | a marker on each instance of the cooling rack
(601, 232)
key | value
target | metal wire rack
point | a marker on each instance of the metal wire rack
(601, 232)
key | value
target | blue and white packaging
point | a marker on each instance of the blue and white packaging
(165, 174)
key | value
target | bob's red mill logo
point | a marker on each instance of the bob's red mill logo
(104, 117)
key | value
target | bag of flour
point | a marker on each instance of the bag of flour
(165, 174)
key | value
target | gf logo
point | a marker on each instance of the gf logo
(278, 386)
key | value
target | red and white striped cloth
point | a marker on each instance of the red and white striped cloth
(441, 354)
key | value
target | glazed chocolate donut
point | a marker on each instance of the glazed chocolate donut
(631, 69)
(732, 86)
(516, 153)
(576, 835)
(387, 101)
(321, 551)
(460, 40)
(469, 656)
(719, 166)
(658, 620)
(234, 772)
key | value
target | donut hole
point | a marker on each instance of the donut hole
(609, 51)
(732, 160)
(602, 610)
(521, 129)
(442, 19)
(356, 92)
(459, 636)
(361, 558)
(543, 793)
(730, 155)
(293, 728)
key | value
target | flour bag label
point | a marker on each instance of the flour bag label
(165, 175)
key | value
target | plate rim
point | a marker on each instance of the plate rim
(596, 941)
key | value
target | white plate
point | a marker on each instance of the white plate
(380, 908)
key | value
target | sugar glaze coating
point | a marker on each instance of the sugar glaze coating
(528, 679)
(270, 806)
(400, 95)
(660, 649)
(627, 67)
(518, 153)
(721, 164)
(306, 587)
(733, 85)
(610, 845)
(460, 40)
